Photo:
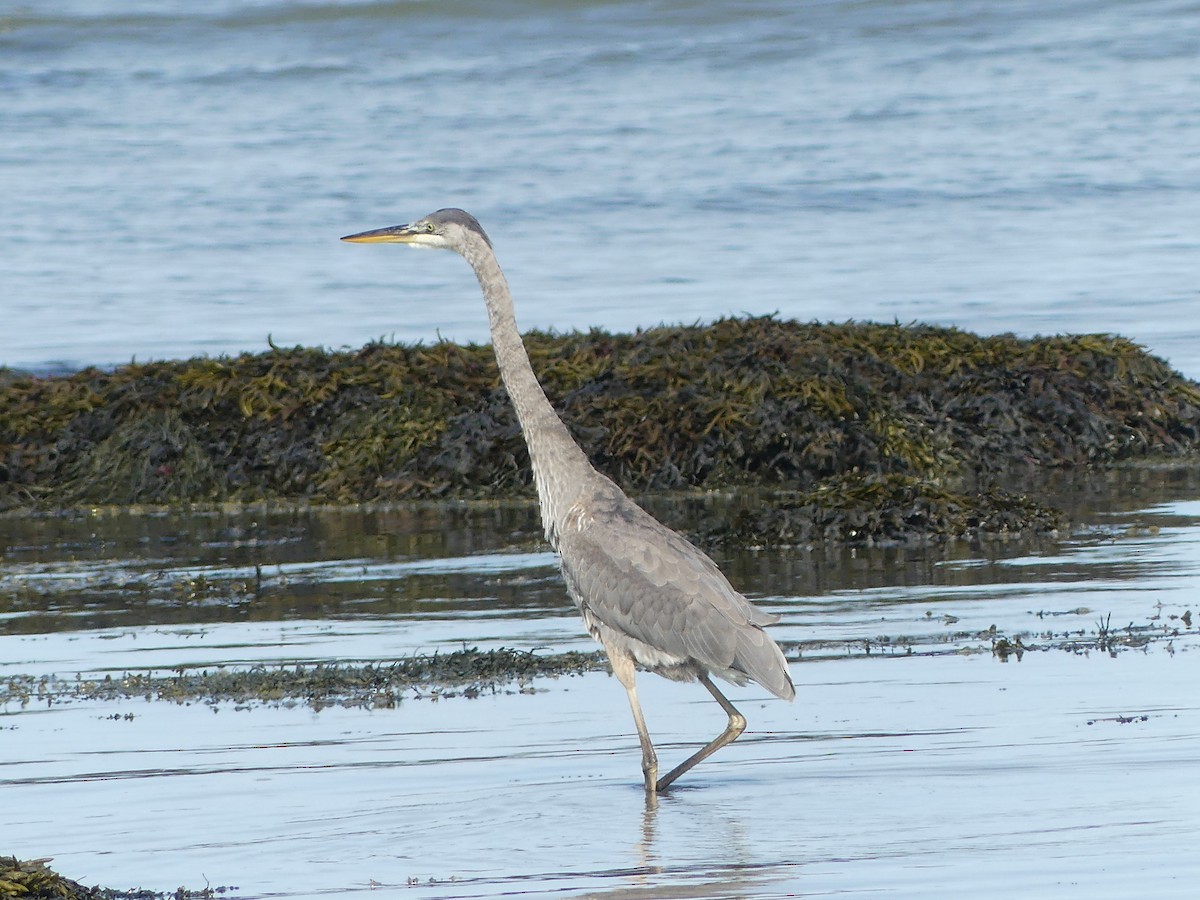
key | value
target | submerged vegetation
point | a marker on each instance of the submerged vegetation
(885, 509)
(872, 429)
(471, 672)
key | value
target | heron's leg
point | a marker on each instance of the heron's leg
(622, 666)
(737, 724)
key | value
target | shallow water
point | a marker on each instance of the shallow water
(914, 762)
(175, 174)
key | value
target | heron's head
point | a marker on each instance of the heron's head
(447, 229)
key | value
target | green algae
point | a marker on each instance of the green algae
(741, 402)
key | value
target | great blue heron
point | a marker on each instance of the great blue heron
(645, 593)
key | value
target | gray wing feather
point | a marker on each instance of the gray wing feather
(643, 580)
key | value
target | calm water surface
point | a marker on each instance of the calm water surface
(175, 175)
(932, 773)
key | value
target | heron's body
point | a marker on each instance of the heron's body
(648, 595)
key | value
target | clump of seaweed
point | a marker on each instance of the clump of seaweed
(881, 510)
(743, 401)
(32, 879)
(468, 672)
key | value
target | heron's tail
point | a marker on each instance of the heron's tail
(761, 660)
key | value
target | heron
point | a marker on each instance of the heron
(648, 595)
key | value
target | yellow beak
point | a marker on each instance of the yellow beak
(396, 234)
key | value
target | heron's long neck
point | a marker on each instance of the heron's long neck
(560, 467)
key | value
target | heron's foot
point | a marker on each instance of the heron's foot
(650, 772)
(737, 724)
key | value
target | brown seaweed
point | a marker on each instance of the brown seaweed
(743, 401)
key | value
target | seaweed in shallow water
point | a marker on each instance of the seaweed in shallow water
(748, 401)
(880, 510)
(34, 880)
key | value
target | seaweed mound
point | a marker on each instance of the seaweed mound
(744, 401)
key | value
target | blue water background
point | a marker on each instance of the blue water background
(174, 176)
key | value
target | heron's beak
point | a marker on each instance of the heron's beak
(396, 234)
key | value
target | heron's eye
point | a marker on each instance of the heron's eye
(429, 227)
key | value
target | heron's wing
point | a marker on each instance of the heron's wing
(648, 583)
